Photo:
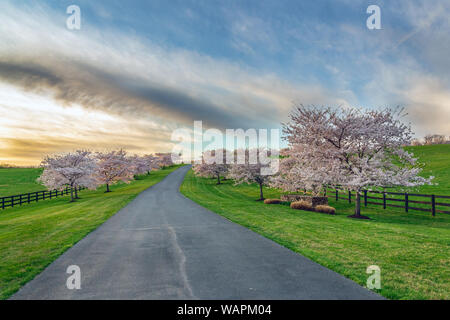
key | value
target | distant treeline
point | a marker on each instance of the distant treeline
(430, 139)
(10, 166)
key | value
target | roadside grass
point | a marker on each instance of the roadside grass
(14, 181)
(34, 235)
(412, 249)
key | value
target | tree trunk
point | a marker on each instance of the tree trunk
(218, 179)
(357, 214)
(71, 195)
(261, 196)
(358, 205)
(76, 193)
(107, 188)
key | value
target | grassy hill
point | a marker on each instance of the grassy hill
(19, 180)
(412, 249)
(436, 161)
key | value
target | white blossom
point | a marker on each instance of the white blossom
(69, 170)
(347, 147)
(112, 167)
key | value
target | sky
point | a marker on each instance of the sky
(138, 70)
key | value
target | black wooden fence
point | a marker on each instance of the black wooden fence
(18, 200)
(402, 200)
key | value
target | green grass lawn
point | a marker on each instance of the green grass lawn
(412, 249)
(34, 235)
(14, 181)
(436, 160)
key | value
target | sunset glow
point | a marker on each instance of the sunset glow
(125, 81)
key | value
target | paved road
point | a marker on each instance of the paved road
(164, 246)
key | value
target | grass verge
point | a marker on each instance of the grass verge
(34, 235)
(412, 249)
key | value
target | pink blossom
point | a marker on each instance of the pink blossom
(112, 167)
(71, 169)
(347, 147)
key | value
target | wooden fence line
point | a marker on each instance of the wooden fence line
(337, 194)
(25, 198)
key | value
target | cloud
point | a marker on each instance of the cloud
(104, 86)
(35, 126)
(425, 96)
(91, 87)
(249, 32)
(428, 105)
(129, 76)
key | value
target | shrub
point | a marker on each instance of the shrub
(272, 201)
(301, 205)
(325, 209)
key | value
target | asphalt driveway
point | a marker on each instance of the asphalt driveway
(164, 246)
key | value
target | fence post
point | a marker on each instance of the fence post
(349, 197)
(337, 195)
(384, 200)
(12, 201)
(406, 202)
(37, 196)
(43, 195)
(28, 196)
(365, 198)
(20, 200)
(433, 205)
(3, 203)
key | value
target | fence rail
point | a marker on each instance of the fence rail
(25, 198)
(385, 198)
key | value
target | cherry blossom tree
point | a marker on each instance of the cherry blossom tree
(251, 166)
(299, 172)
(152, 162)
(138, 164)
(213, 165)
(71, 169)
(144, 164)
(112, 167)
(349, 148)
(164, 159)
